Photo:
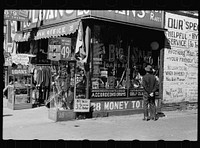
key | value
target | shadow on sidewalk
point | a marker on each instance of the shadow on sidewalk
(160, 114)
(7, 115)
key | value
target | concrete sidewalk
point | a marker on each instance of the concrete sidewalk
(34, 124)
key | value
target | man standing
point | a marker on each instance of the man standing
(150, 85)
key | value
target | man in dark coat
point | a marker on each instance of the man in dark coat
(150, 85)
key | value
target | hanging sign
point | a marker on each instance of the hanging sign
(54, 49)
(65, 48)
(81, 105)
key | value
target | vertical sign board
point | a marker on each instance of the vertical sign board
(54, 49)
(81, 105)
(180, 81)
(65, 48)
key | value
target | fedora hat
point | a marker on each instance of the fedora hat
(149, 68)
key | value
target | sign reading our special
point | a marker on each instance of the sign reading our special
(180, 81)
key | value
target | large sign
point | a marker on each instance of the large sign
(118, 105)
(16, 15)
(150, 18)
(48, 17)
(180, 81)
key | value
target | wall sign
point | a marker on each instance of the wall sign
(180, 81)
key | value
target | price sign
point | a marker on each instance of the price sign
(81, 105)
(65, 48)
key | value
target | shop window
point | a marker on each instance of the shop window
(119, 55)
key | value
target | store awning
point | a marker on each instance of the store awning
(57, 30)
(21, 37)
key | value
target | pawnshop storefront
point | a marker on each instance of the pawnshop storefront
(122, 43)
(117, 47)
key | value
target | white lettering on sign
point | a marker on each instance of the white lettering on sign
(82, 12)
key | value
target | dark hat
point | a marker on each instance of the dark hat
(148, 68)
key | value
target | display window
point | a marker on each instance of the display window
(119, 56)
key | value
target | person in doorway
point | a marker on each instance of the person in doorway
(150, 85)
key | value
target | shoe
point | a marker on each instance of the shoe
(145, 119)
(154, 118)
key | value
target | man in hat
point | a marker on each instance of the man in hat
(150, 85)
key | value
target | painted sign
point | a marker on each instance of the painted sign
(118, 105)
(49, 17)
(19, 37)
(108, 93)
(181, 59)
(150, 18)
(21, 58)
(65, 48)
(20, 69)
(81, 105)
(16, 15)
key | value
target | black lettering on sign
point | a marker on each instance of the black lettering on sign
(175, 24)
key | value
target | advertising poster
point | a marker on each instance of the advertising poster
(180, 81)
(54, 49)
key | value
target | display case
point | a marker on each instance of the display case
(60, 102)
(19, 92)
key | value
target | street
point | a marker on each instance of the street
(33, 123)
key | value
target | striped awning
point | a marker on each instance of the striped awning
(57, 30)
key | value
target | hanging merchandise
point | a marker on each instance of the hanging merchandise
(80, 52)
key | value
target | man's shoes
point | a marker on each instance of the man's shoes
(145, 119)
(154, 118)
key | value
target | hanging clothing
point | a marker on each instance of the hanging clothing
(46, 76)
(39, 78)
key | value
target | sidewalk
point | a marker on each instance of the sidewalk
(34, 124)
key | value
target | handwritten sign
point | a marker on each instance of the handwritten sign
(181, 60)
(81, 105)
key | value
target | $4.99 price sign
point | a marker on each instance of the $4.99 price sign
(81, 105)
(65, 48)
